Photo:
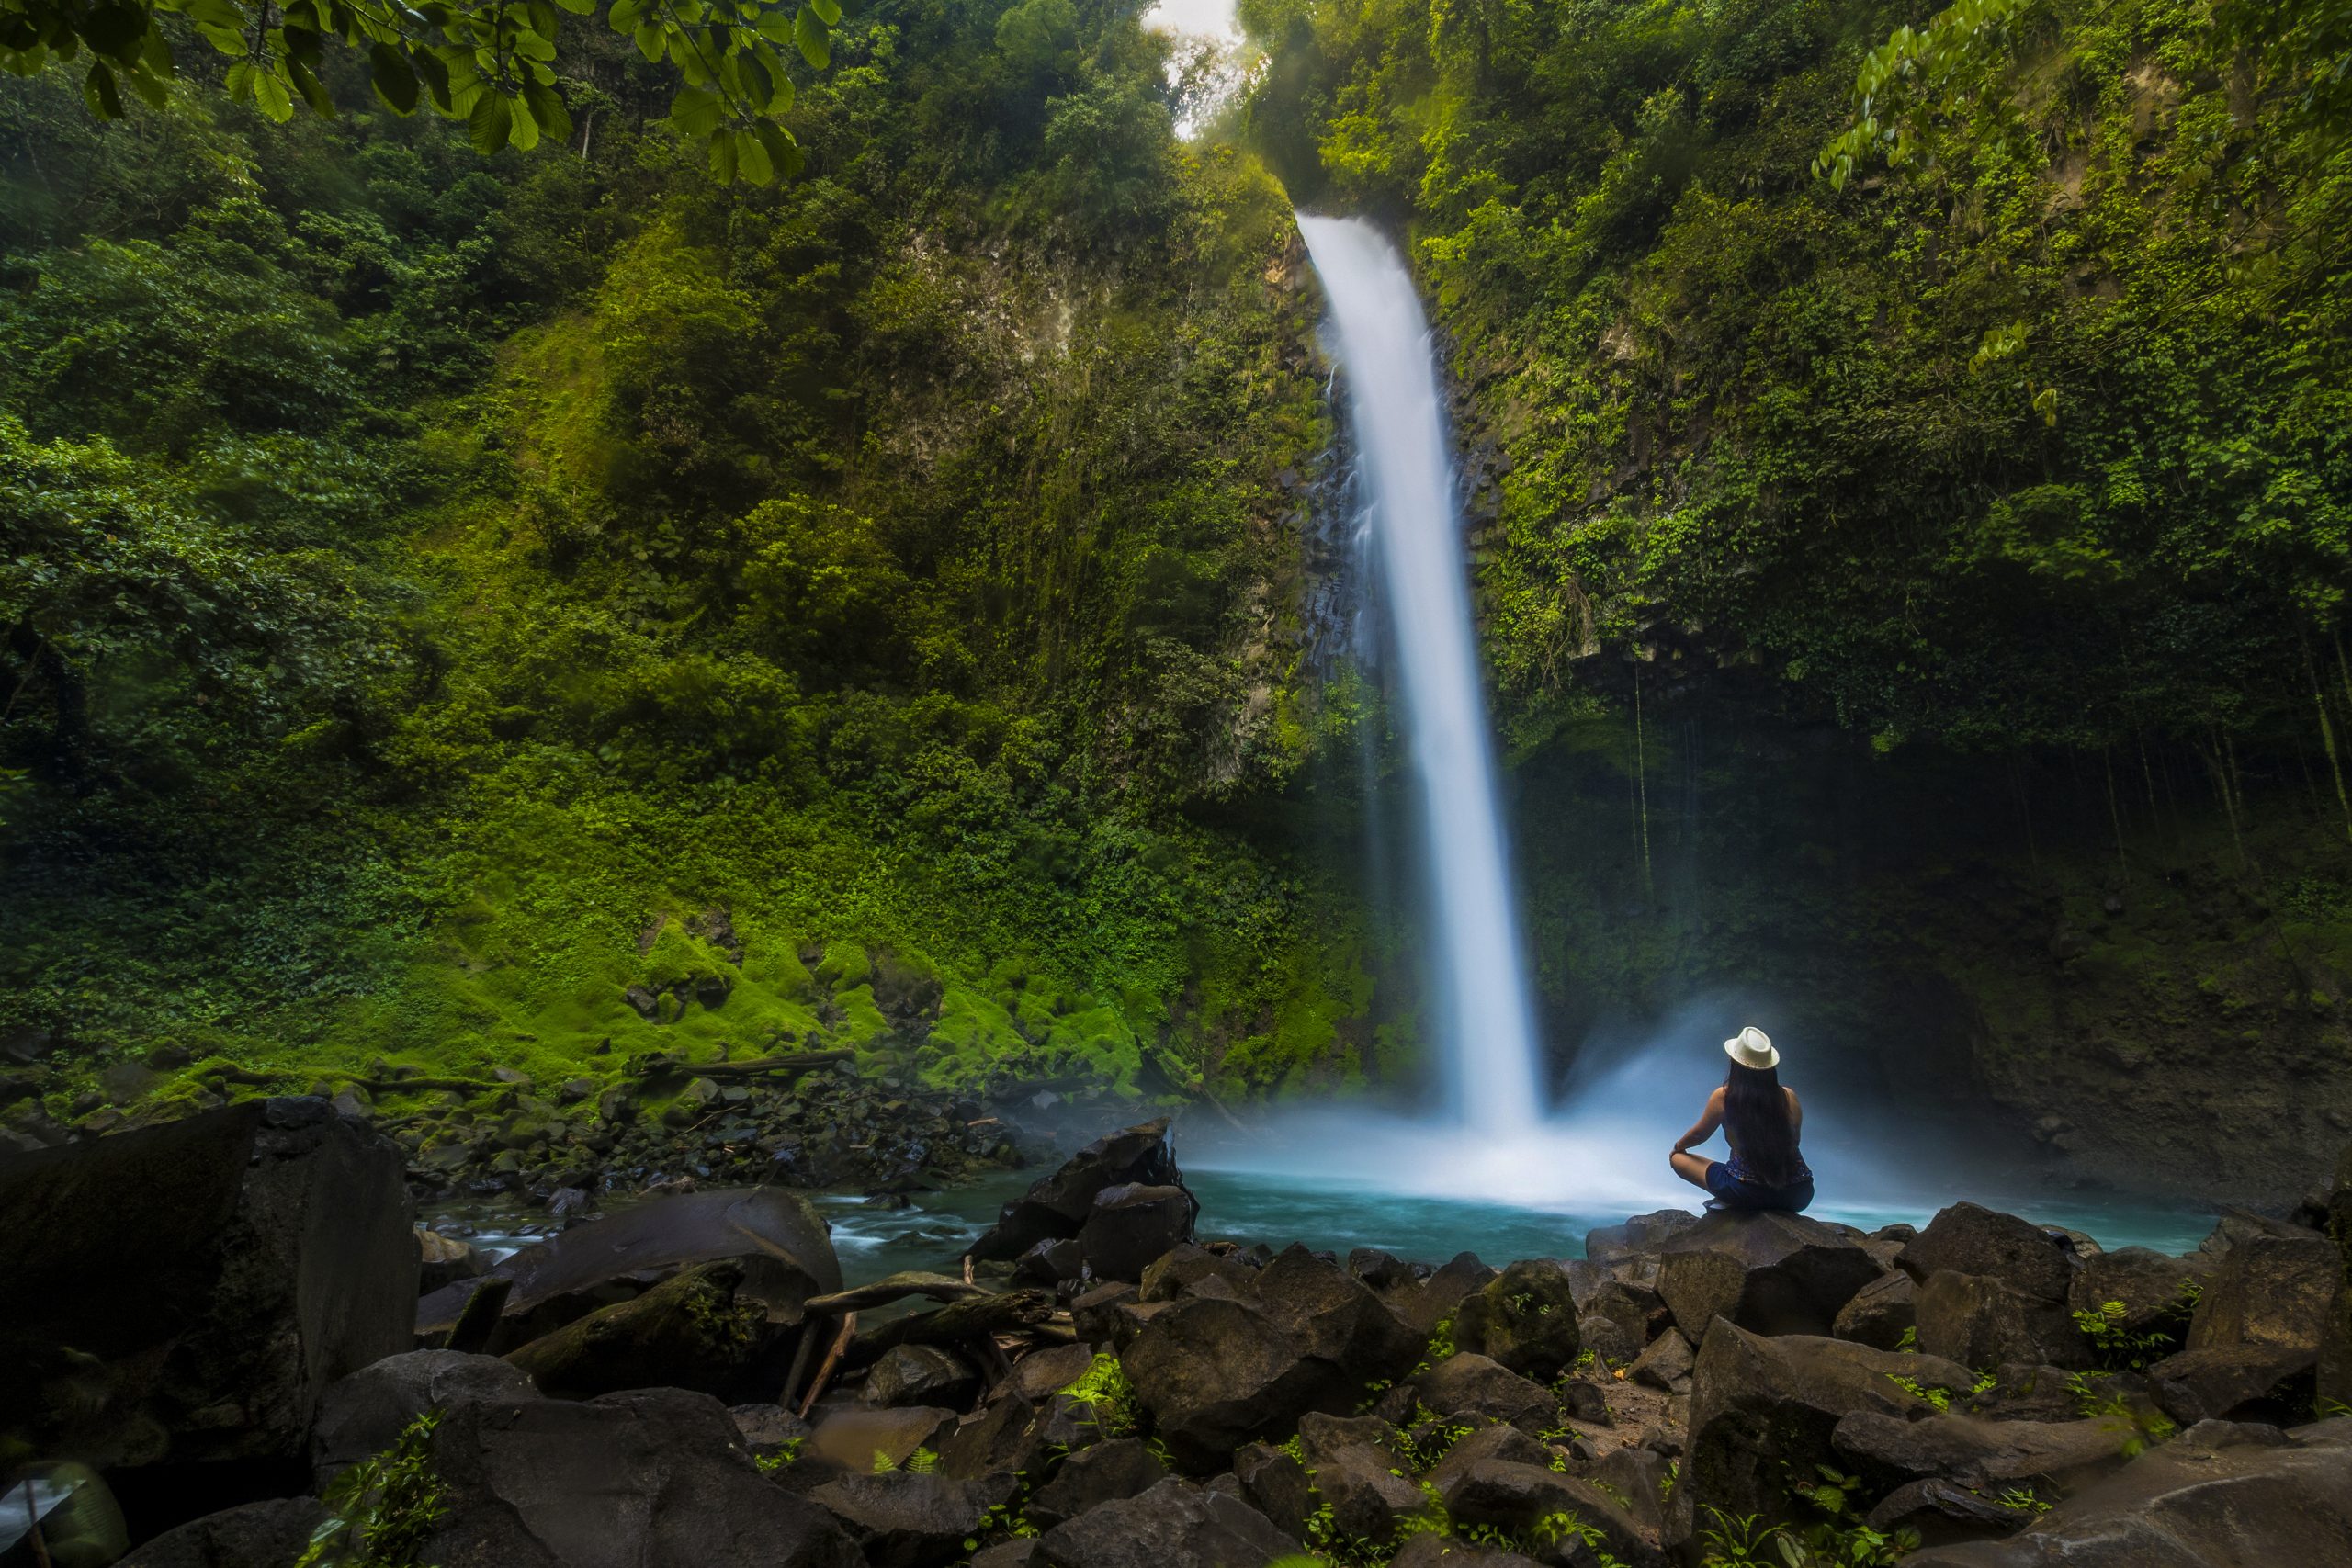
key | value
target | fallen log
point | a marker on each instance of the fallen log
(1014, 1312)
(898, 1288)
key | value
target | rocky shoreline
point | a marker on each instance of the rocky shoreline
(220, 1330)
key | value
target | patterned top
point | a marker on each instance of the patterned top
(1739, 1172)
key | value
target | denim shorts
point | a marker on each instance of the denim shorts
(1731, 1192)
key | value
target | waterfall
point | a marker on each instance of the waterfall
(1486, 1030)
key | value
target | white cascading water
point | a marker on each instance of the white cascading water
(1488, 1036)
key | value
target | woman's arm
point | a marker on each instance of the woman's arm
(1796, 1114)
(1705, 1127)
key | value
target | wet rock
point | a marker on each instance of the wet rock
(655, 1478)
(1049, 1263)
(273, 1250)
(1522, 1498)
(920, 1374)
(2236, 1382)
(2268, 1290)
(1216, 1374)
(862, 1440)
(1132, 1223)
(362, 1415)
(1057, 1208)
(1105, 1472)
(2182, 1505)
(905, 1519)
(1585, 1401)
(1467, 1384)
(1042, 1373)
(1336, 1317)
(2022, 1391)
(1968, 1238)
(692, 1331)
(1174, 1525)
(2051, 1459)
(1440, 1295)
(1524, 1318)
(1100, 1315)
(782, 1243)
(1764, 1409)
(1665, 1365)
(1277, 1485)
(254, 1535)
(1183, 1267)
(1361, 1484)
(1769, 1273)
(769, 1430)
(1643, 1232)
(1019, 1552)
(445, 1260)
(1980, 1321)
(1882, 1313)
(1943, 1512)
(2152, 1288)
(1505, 1443)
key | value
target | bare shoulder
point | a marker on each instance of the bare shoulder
(1796, 1106)
(1715, 1100)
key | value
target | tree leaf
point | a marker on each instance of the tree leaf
(695, 111)
(784, 153)
(99, 92)
(828, 11)
(393, 77)
(522, 130)
(489, 122)
(752, 161)
(272, 97)
(809, 34)
(722, 157)
(547, 107)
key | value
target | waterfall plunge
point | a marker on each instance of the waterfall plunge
(1486, 1031)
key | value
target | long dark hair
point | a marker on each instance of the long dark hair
(1756, 1122)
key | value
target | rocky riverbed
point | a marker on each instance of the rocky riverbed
(224, 1337)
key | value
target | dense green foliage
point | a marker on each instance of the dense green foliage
(443, 594)
(2035, 435)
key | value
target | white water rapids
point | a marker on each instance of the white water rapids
(1486, 1035)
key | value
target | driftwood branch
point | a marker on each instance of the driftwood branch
(896, 1288)
(825, 1367)
(1014, 1312)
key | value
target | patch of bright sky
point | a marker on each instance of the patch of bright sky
(1200, 18)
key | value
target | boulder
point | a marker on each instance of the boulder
(906, 1520)
(769, 1430)
(1643, 1232)
(2152, 1288)
(1880, 1313)
(1943, 1512)
(2049, 1457)
(186, 1291)
(1020, 1551)
(1526, 1318)
(1361, 1484)
(1049, 1263)
(695, 1330)
(445, 1260)
(657, 1478)
(1100, 1317)
(1444, 1551)
(1765, 1409)
(2268, 1290)
(1635, 1313)
(779, 1240)
(1980, 1321)
(1131, 1224)
(923, 1374)
(1057, 1208)
(365, 1413)
(1767, 1273)
(1335, 1318)
(1183, 1266)
(1968, 1238)
(2191, 1505)
(1665, 1365)
(863, 1440)
(1105, 1472)
(2236, 1382)
(1216, 1374)
(1174, 1525)
(1041, 1374)
(1467, 1384)
(1505, 1443)
(1440, 1295)
(2022, 1391)
(1274, 1483)
(1586, 1400)
(253, 1535)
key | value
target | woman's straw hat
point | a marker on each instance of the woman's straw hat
(1751, 1047)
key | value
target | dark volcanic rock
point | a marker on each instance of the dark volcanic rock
(1643, 1232)
(1439, 1295)
(2236, 1382)
(1275, 1485)
(1967, 1239)
(365, 1413)
(2152, 1288)
(652, 1479)
(1444, 1552)
(1468, 1384)
(256, 1535)
(2268, 1290)
(2189, 1506)
(1524, 1318)
(1943, 1512)
(1980, 1321)
(1056, 1207)
(691, 1331)
(1216, 1374)
(1093, 1477)
(1181, 1268)
(1174, 1525)
(1765, 1409)
(1131, 1224)
(1043, 1374)
(920, 1374)
(1665, 1365)
(908, 1520)
(1768, 1272)
(1881, 1312)
(768, 1430)
(2049, 1458)
(1335, 1318)
(1519, 1497)
(185, 1293)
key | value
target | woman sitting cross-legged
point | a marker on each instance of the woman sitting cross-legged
(1760, 1122)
